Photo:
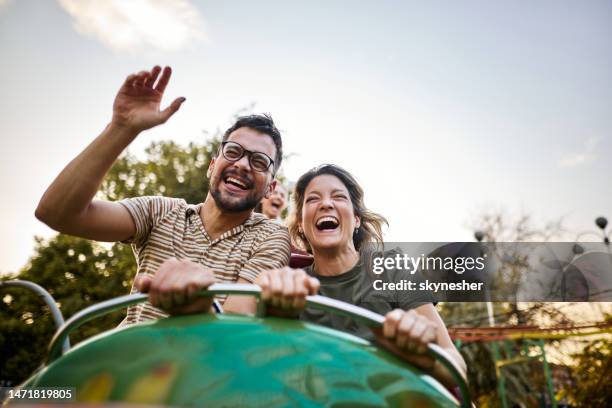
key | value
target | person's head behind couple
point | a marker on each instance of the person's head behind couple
(274, 205)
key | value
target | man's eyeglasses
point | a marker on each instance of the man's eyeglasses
(233, 152)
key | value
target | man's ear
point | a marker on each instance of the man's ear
(270, 189)
(211, 167)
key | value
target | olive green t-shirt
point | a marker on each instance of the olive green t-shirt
(356, 287)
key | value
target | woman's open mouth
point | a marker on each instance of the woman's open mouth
(327, 223)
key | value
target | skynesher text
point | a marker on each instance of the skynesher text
(405, 284)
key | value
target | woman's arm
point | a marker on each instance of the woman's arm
(405, 333)
(408, 333)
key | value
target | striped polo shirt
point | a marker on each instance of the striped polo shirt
(171, 228)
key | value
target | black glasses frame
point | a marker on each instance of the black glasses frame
(248, 152)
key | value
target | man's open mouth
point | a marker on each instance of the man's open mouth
(327, 223)
(237, 182)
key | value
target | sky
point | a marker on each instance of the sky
(443, 110)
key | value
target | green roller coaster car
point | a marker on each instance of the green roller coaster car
(221, 360)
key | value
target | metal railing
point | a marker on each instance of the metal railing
(359, 314)
(56, 313)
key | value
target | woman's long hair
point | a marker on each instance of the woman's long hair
(370, 228)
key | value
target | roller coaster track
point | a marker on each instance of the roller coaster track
(484, 334)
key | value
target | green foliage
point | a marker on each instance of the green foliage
(592, 374)
(79, 272)
(478, 356)
(523, 382)
(169, 170)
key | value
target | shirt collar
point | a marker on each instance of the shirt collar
(254, 219)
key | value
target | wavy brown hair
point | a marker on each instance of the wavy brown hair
(370, 228)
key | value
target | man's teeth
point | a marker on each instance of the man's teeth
(236, 182)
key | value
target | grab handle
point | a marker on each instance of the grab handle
(359, 314)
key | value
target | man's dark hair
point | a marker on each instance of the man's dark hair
(262, 123)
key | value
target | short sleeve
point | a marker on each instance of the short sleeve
(147, 212)
(409, 299)
(272, 253)
(415, 299)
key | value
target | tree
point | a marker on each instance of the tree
(592, 374)
(522, 381)
(79, 272)
(169, 170)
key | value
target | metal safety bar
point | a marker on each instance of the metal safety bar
(359, 314)
(56, 313)
(121, 302)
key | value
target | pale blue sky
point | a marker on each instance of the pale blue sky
(442, 109)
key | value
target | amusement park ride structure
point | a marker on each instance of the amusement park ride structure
(531, 337)
(502, 339)
(287, 361)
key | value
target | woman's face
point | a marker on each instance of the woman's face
(273, 206)
(328, 219)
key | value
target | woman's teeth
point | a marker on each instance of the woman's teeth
(327, 223)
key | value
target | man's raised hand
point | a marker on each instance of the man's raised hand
(137, 105)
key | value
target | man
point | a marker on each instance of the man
(181, 249)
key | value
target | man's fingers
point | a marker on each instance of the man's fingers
(163, 80)
(190, 285)
(152, 77)
(204, 279)
(191, 282)
(161, 288)
(141, 78)
(264, 283)
(129, 81)
(133, 78)
(166, 289)
(171, 110)
(154, 295)
(192, 292)
(201, 305)
(179, 290)
(176, 286)
(143, 282)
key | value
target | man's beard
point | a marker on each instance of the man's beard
(231, 204)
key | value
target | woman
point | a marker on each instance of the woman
(331, 222)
